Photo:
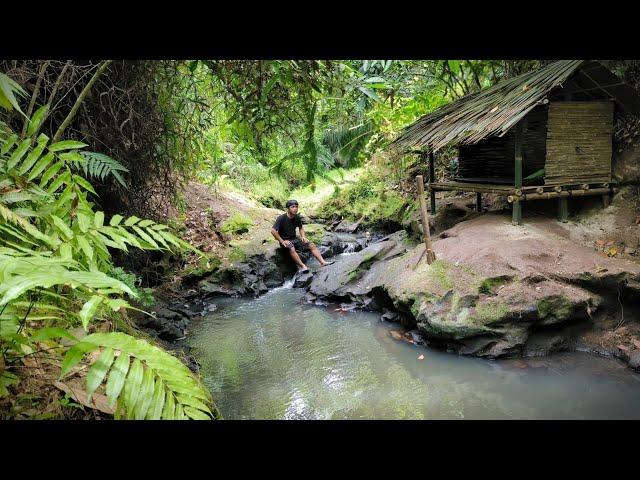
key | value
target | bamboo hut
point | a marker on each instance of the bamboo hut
(545, 134)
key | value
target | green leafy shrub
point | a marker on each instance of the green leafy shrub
(236, 224)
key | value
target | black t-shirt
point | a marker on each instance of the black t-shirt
(286, 226)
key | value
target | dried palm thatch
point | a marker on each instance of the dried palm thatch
(490, 112)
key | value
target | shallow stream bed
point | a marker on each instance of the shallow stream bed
(277, 357)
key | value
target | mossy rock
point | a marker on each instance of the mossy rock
(489, 285)
(556, 306)
(205, 266)
(314, 232)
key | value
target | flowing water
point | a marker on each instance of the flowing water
(277, 357)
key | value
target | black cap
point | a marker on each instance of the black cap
(291, 202)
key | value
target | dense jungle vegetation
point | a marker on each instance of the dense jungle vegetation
(94, 157)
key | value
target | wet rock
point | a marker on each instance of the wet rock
(343, 278)
(347, 227)
(303, 279)
(390, 316)
(192, 309)
(212, 288)
(167, 324)
(208, 308)
(417, 338)
(634, 360)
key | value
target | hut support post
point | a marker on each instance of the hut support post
(517, 206)
(478, 202)
(432, 178)
(563, 209)
(606, 200)
(425, 221)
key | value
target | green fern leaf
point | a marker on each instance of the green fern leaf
(132, 386)
(146, 395)
(117, 377)
(36, 120)
(34, 155)
(10, 141)
(43, 163)
(18, 153)
(51, 171)
(89, 309)
(157, 403)
(66, 145)
(99, 370)
(74, 355)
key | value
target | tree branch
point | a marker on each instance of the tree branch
(34, 96)
(103, 66)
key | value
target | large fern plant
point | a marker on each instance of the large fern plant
(54, 255)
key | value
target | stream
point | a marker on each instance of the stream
(278, 357)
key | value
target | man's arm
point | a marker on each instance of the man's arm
(277, 236)
(302, 234)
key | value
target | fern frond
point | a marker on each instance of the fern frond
(100, 166)
(142, 380)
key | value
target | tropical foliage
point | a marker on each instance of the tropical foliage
(54, 274)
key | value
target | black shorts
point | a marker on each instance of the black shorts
(300, 246)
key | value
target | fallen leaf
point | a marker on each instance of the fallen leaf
(421, 357)
(75, 390)
(600, 269)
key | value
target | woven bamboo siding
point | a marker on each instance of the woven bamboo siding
(579, 138)
(493, 159)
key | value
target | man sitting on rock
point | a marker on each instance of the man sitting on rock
(284, 230)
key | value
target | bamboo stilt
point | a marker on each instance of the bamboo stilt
(563, 209)
(432, 179)
(431, 256)
(517, 206)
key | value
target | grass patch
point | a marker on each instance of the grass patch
(438, 272)
(236, 254)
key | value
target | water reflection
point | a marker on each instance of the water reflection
(277, 357)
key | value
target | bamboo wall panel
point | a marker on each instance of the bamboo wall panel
(579, 136)
(493, 158)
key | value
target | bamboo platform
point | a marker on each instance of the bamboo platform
(548, 190)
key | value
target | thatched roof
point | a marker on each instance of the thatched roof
(493, 111)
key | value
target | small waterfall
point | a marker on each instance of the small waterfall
(348, 247)
(288, 283)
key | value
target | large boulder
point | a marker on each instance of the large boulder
(494, 290)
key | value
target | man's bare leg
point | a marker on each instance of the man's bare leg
(296, 258)
(316, 253)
